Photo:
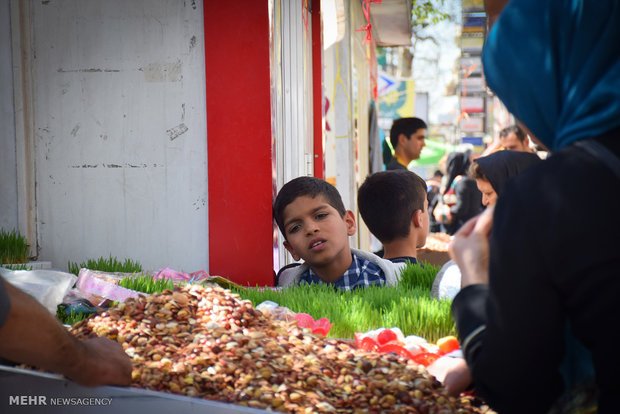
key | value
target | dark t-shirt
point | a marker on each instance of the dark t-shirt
(5, 303)
(394, 165)
(404, 259)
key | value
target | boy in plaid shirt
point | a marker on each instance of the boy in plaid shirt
(316, 228)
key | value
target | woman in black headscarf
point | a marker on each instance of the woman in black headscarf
(492, 172)
(545, 279)
(461, 198)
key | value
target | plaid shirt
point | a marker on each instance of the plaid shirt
(361, 273)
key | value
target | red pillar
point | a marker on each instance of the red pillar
(317, 90)
(239, 140)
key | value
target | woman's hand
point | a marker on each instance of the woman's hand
(453, 373)
(470, 248)
(458, 378)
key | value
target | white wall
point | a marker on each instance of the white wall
(120, 131)
(348, 90)
(291, 74)
(8, 172)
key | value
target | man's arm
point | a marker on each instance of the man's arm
(31, 335)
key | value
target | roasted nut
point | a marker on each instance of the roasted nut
(207, 342)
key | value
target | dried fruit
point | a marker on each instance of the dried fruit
(206, 342)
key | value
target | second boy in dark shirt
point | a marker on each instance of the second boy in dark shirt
(394, 206)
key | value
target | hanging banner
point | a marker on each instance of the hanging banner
(399, 102)
(386, 84)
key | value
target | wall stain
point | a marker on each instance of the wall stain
(194, 4)
(198, 204)
(126, 165)
(175, 132)
(75, 130)
(163, 72)
(92, 70)
(192, 43)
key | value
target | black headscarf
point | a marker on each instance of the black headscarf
(501, 165)
(458, 163)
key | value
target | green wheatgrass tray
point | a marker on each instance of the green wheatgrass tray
(407, 306)
(13, 248)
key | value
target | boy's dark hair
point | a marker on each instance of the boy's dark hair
(515, 129)
(405, 126)
(305, 186)
(387, 201)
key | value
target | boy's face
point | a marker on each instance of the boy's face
(316, 233)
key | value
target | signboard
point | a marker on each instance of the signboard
(472, 44)
(474, 23)
(473, 5)
(472, 124)
(472, 104)
(473, 84)
(475, 141)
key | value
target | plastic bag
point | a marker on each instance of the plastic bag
(48, 287)
(97, 287)
(275, 311)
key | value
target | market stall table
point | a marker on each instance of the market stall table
(27, 391)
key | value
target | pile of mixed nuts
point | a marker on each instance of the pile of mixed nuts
(207, 342)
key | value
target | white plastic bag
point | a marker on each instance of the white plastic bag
(48, 287)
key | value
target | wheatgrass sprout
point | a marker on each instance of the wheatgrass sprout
(407, 306)
(13, 247)
(146, 283)
(111, 264)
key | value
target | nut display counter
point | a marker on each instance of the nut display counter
(194, 344)
(27, 391)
